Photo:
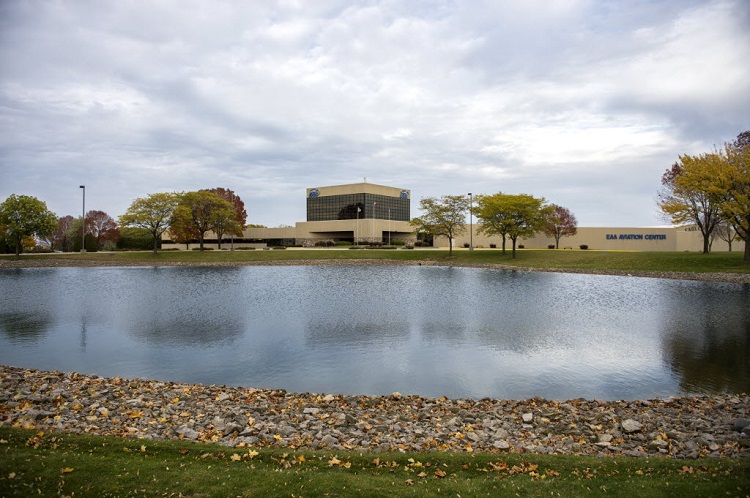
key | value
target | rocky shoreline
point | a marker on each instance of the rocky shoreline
(61, 262)
(682, 427)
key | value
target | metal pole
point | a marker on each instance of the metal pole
(471, 224)
(83, 221)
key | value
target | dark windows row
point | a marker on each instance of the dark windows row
(353, 206)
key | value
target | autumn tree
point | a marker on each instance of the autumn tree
(734, 188)
(511, 215)
(102, 227)
(153, 213)
(205, 211)
(688, 194)
(60, 238)
(445, 216)
(239, 208)
(559, 222)
(25, 216)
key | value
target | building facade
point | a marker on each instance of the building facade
(359, 213)
(681, 238)
(363, 213)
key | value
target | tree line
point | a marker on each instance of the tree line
(509, 216)
(25, 221)
(712, 191)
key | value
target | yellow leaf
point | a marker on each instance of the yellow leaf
(175, 400)
(67, 470)
(235, 457)
(143, 448)
(301, 459)
(252, 453)
(277, 437)
(333, 461)
(12, 475)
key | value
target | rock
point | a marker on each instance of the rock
(527, 417)
(630, 426)
(187, 432)
(501, 445)
(329, 441)
(740, 424)
(311, 411)
(605, 438)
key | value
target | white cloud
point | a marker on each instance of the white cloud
(555, 99)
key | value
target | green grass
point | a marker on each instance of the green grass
(561, 259)
(52, 464)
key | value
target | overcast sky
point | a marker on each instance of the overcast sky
(583, 102)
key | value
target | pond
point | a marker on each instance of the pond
(432, 331)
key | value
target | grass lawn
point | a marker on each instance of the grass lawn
(52, 464)
(544, 258)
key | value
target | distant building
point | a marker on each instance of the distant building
(672, 238)
(362, 213)
(359, 213)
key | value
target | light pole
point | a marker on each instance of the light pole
(471, 223)
(83, 221)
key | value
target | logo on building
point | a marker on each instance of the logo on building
(313, 192)
(404, 194)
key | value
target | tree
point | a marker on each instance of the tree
(734, 188)
(60, 238)
(688, 194)
(514, 216)
(445, 216)
(204, 211)
(102, 227)
(24, 215)
(153, 213)
(560, 222)
(726, 232)
(239, 208)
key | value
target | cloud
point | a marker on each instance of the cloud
(561, 99)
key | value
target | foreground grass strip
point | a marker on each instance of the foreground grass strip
(50, 464)
(540, 259)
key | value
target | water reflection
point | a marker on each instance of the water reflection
(428, 330)
(708, 345)
(24, 327)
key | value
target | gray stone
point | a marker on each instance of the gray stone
(187, 432)
(501, 445)
(527, 417)
(630, 426)
(740, 424)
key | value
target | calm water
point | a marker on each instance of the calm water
(456, 332)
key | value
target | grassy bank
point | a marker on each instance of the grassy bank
(50, 464)
(558, 259)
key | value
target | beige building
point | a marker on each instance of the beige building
(362, 213)
(686, 238)
(358, 213)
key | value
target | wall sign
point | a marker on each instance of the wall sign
(636, 236)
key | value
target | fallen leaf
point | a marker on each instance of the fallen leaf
(440, 474)
(67, 470)
(235, 457)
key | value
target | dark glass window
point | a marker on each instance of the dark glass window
(347, 207)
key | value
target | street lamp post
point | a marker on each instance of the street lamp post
(471, 224)
(83, 221)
